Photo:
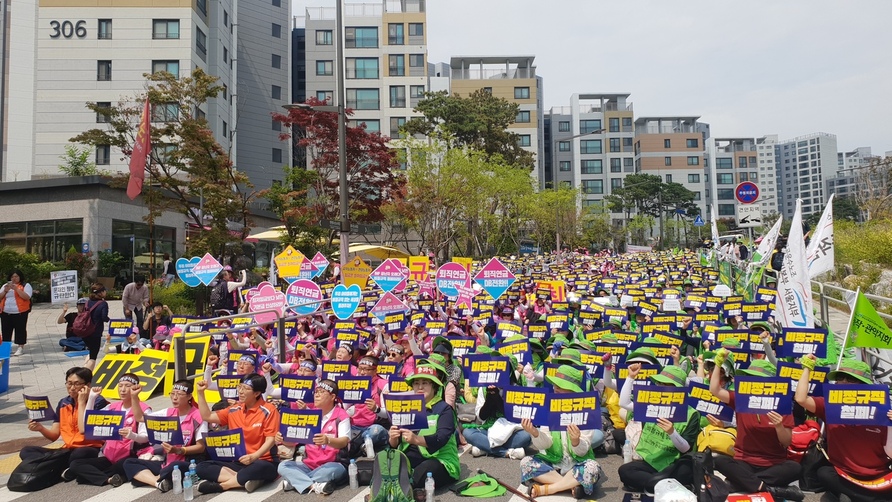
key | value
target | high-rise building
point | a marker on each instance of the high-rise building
(804, 168)
(738, 160)
(385, 68)
(849, 166)
(65, 53)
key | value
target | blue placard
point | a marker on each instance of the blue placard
(484, 370)
(582, 409)
(703, 401)
(164, 430)
(184, 268)
(345, 301)
(760, 395)
(816, 380)
(225, 446)
(299, 426)
(520, 349)
(658, 401)
(797, 342)
(297, 388)
(526, 403)
(103, 425)
(406, 410)
(39, 408)
(354, 389)
(857, 404)
(334, 370)
(228, 386)
(122, 327)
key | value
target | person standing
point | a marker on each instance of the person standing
(15, 303)
(169, 273)
(98, 308)
(135, 299)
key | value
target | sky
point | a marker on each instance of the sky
(748, 67)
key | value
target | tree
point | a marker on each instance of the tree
(479, 121)
(76, 161)
(290, 201)
(372, 169)
(873, 188)
(187, 168)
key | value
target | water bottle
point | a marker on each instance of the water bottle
(187, 488)
(369, 448)
(429, 488)
(192, 473)
(627, 452)
(177, 478)
(353, 472)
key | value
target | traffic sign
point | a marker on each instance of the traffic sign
(698, 221)
(749, 215)
(747, 192)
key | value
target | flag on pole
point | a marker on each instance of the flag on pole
(715, 229)
(141, 147)
(769, 241)
(867, 328)
(820, 247)
(794, 301)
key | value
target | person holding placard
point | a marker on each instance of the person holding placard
(859, 454)
(259, 422)
(760, 451)
(157, 473)
(490, 407)
(324, 464)
(566, 460)
(366, 418)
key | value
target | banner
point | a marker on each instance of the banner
(800, 342)
(149, 365)
(225, 446)
(760, 395)
(526, 403)
(297, 388)
(582, 409)
(704, 402)
(142, 148)
(334, 370)
(484, 370)
(867, 327)
(39, 408)
(819, 254)
(164, 430)
(657, 401)
(354, 389)
(63, 286)
(763, 253)
(406, 410)
(794, 300)
(103, 425)
(299, 426)
(857, 404)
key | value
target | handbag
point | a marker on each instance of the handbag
(39, 471)
(501, 431)
(708, 487)
(814, 458)
(466, 412)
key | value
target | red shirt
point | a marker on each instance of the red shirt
(856, 449)
(257, 424)
(757, 442)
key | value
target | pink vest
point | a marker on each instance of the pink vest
(318, 455)
(188, 427)
(362, 415)
(120, 448)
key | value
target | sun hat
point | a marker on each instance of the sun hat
(671, 375)
(427, 371)
(643, 355)
(568, 356)
(854, 368)
(567, 378)
(764, 326)
(759, 367)
(727, 365)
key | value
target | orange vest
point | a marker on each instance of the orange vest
(23, 305)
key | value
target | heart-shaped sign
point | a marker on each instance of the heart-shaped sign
(184, 271)
(267, 298)
(345, 301)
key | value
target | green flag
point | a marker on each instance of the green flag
(868, 328)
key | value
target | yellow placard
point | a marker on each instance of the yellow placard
(419, 267)
(464, 262)
(356, 272)
(289, 261)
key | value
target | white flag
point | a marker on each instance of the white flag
(715, 229)
(820, 247)
(769, 241)
(793, 302)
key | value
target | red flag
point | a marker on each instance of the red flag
(140, 152)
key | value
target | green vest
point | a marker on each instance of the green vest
(447, 455)
(555, 453)
(656, 448)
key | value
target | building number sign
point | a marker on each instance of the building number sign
(67, 29)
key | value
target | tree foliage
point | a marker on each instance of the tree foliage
(290, 201)
(187, 167)
(76, 161)
(873, 189)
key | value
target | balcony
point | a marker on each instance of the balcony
(350, 10)
(404, 6)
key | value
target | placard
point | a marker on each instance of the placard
(333, 370)
(760, 395)
(526, 403)
(299, 426)
(406, 410)
(123, 328)
(354, 389)
(702, 400)
(582, 409)
(484, 370)
(797, 342)
(857, 404)
(225, 446)
(659, 401)
(39, 408)
(297, 388)
(520, 349)
(149, 365)
(816, 378)
(63, 286)
(103, 425)
(164, 430)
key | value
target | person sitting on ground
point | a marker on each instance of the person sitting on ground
(366, 418)
(133, 344)
(159, 316)
(489, 408)
(72, 341)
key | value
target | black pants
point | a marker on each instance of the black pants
(263, 470)
(94, 343)
(14, 323)
(748, 478)
(641, 476)
(140, 315)
(421, 466)
(836, 484)
(96, 471)
(133, 466)
(74, 454)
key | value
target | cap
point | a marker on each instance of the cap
(82, 301)
(567, 378)
(671, 375)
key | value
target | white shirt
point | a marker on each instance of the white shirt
(11, 307)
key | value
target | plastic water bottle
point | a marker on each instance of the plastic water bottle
(177, 478)
(353, 472)
(627, 452)
(192, 473)
(369, 448)
(429, 488)
(187, 488)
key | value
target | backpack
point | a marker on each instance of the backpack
(391, 478)
(83, 325)
(221, 298)
(707, 486)
(815, 457)
(718, 439)
(803, 435)
(479, 486)
(39, 471)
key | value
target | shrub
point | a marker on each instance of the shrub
(179, 297)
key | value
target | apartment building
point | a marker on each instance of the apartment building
(804, 168)
(849, 165)
(385, 53)
(65, 53)
(735, 160)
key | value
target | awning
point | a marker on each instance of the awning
(379, 252)
(272, 234)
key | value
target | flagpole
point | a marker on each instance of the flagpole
(845, 339)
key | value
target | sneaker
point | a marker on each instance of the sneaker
(578, 492)
(286, 486)
(253, 484)
(516, 453)
(323, 488)
(210, 487)
(116, 480)
(20, 351)
(476, 452)
(164, 485)
(369, 448)
(67, 475)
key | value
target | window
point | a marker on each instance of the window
(627, 124)
(165, 112)
(745, 177)
(49, 239)
(592, 167)
(395, 34)
(104, 32)
(277, 155)
(521, 93)
(725, 179)
(362, 68)
(101, 117)
(614, 145)
(416, 29)
(523, 140)
(202, 6)
(564, 126)
(589, 126)
(397, 65)
(668, 178)
(277, 92)
(667, 161)
(324, 37)
(488, 90)
(199, 114)
(416, 93)
(103, 155)
(564, 165)
(225, 55)
(277, 30)
(327, 96)
(593, 186)
(103, 71)
(395, 124)
(172, 67)
(615, 183)
(724, 163)
(613, 124)
(370, 125)
(692, 143)
(590, 146)
(277, 3)
(225, 18)
(725, 194)
(363, 99)
(693, 178)
(523, 117)
(627, 144)
(277, 61)
(563, 146)
(667, 143)
(324, 68)
(726, 210)
(224, 129)
(416, 61)
(397, 96)
(201, 41)
(696, 195)
(361, 37)
(277, 126)
(616, 165)
(694, 161)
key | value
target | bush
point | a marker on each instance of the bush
(869, 242)
(37, 273)
(179, 297)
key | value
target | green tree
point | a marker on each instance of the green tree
(290, 201)
(76, 161)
